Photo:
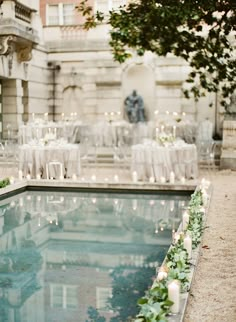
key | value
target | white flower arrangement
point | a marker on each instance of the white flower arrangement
(49, 137)
(165, 139)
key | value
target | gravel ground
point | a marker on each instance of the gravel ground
(213, 292)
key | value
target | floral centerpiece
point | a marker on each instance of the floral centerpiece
(165, 139)
(49, 137)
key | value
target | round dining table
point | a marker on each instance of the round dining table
(151, 159)
(35, 158)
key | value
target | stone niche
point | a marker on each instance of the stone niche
(228, 153)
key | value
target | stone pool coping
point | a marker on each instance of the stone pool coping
(19, 185)
(122, 185)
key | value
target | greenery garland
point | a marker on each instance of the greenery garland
(155, 305)
(4, 182)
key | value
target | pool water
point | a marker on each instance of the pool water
(81, 256)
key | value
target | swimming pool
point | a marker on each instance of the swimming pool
(81, 256)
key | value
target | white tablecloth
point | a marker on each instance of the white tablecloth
(33, 159)
(33, 130)
(186, 131)
(153, 160)
(112, 134)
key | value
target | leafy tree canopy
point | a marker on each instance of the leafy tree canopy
(202, 32)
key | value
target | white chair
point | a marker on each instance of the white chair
(121, 157)
(205, 131)
(54, 169)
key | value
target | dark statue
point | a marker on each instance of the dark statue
(134, 107)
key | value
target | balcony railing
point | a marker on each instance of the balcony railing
(22, 12)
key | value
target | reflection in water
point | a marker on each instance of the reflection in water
(68, 255)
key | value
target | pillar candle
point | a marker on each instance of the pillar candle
(116, 178)
(162, 128)
(185, 219)
(62, 116)
(174, 131)
(134, 176)
(205, 183)
(61, 177)
(182, 180)
(151, 179)
(174, 295)
(176, 237)
(61, 173)
(172, 177)
(12, 180)
(46, 116)
(204, 197)
(33, 117)
(93, 178)
(28, 176)
(157, 132)
(161, 275)
(74, 177)
(188, 245)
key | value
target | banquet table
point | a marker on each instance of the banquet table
(38, 130)
(34, 158)
(110, 134)
(184, 130)
(153, 160)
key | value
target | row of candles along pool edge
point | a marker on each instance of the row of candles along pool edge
(174, 285)
(112, 116)
(106, 180)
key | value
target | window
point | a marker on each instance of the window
(60, 14)
(63, 296)
(106, 5)
(102, 296)
(53, 15)
(68, 14)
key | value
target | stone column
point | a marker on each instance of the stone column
(8, 9)
(228, 153)
(12, 107)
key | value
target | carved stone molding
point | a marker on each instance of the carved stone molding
(6, 44)
(24, 53)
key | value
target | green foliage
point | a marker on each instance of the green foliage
(201, 32)
(94, 315)
(155, 305)
(25, 259)
(5, 182)
(177, 257)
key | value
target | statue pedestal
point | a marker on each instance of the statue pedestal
(228, 153)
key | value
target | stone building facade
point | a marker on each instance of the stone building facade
(54, 66)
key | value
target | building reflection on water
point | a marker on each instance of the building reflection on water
(81, 256)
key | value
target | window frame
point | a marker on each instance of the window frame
(60, 14)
